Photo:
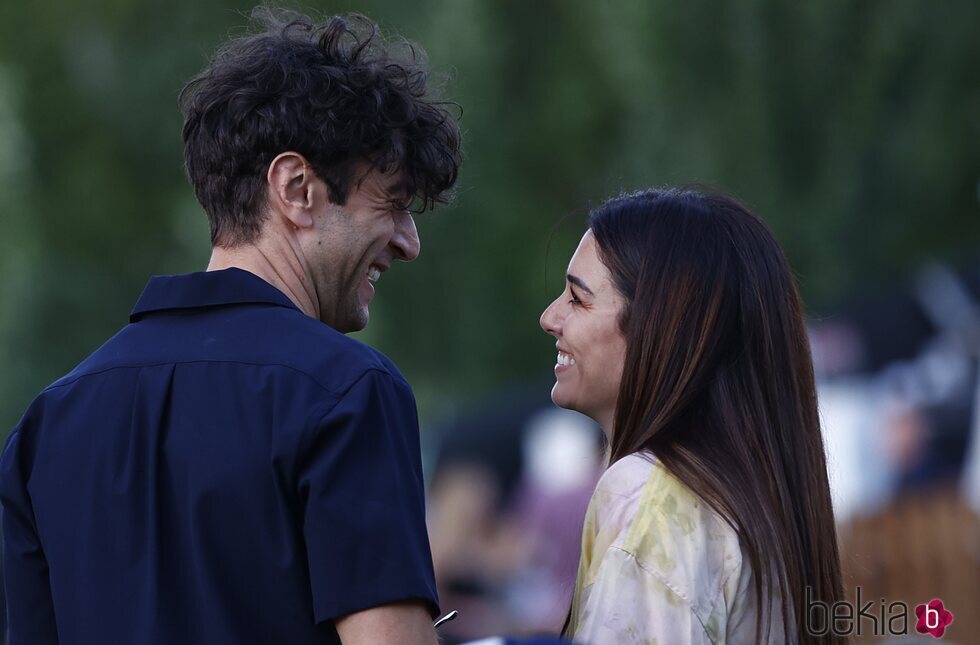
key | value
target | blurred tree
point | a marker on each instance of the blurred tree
(851, 127)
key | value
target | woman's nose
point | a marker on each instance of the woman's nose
(549, 319)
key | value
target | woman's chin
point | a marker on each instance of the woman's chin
(556, 396)
(561, 399)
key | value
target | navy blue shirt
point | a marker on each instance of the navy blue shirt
(225, 469)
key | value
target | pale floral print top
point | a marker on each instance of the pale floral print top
(659, 566)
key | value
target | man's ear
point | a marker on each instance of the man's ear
(292, 188)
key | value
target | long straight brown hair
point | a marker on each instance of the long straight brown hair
(718, 384)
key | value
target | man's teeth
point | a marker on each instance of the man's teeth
(373, 274)
(565, 359)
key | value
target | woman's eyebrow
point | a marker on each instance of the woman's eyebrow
(578, 282)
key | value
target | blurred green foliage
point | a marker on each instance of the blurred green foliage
(852, 127)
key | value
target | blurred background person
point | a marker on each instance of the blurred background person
(506, 503)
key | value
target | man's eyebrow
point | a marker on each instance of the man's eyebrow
(397, 189)
(578, 282)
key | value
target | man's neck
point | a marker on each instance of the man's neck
(280, 267)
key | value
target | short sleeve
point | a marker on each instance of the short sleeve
(364, 503)
(30, 607)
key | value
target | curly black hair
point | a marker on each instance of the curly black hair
(335, 92)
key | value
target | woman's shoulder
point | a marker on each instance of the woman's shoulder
(652, 501)
(627, 477)
(618, 494)
(659, 529)
(679, 539)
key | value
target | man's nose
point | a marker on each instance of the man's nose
(406, 237)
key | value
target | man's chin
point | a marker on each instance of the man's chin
(354, 321)
(363, 321)
(359, 320)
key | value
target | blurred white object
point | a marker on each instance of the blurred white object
(852, 417)
(955, 310)
(971, 468)
(560, 450)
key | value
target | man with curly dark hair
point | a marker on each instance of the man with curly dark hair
(231, 467)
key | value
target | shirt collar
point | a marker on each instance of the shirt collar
(206, 289)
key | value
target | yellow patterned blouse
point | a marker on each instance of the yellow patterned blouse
(660, 566)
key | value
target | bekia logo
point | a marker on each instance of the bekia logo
(876, 618)
(933, 617)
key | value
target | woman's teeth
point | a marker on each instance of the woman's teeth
(565, 359)
(373, 274)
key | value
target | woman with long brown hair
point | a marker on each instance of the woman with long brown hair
(680, 331)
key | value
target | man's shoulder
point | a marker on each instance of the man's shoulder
(277, 339)
(325, 352)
